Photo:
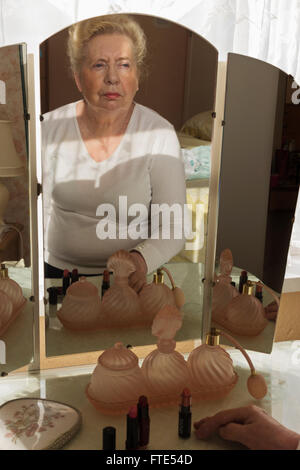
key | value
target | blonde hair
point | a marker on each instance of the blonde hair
(80, 33)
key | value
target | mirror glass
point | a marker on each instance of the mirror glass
(178, 84)
(259, 183)
(16, 322)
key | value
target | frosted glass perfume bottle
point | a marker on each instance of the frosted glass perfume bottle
(165, 370)
(117, 381)
(223, 291)
(120, 304)
(245, 314)
(6, 311)
(81, 306)
(12, 289)
(212, 373)
(155, 296)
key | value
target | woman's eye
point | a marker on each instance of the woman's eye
(125, 65)
(99, 65)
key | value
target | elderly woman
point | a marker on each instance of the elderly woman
(106, 154)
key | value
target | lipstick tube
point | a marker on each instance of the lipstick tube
(74, 276)
(105, 283)
(144, 421)
(243, 280)
(66, 281)
(132, 436)
(185, 415)
(109, 438)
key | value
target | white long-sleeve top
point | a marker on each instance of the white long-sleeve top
(146, 168)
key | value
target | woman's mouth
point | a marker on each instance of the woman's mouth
(112, 96)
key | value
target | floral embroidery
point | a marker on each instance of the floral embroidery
(28, 421)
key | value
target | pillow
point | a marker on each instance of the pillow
(196, 162)
(199, 126)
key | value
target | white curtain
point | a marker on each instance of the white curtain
(268, 30)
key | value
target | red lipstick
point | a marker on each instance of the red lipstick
(132, 437)
(185, 415)
(144, 421)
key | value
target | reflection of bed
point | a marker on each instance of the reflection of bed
(196, 156)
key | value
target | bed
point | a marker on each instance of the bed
(195, 143)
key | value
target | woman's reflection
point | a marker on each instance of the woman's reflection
(104, 146)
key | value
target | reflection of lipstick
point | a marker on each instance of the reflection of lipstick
(66, 281)
(185, 415)
(132, 437)
(74, 276)
(105, 283)
(144, 421)
(243, 280)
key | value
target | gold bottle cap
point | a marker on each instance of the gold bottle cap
(158, 277)
(213, 338)
(248, 288)
(3, 272)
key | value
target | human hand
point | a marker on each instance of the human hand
(271, 311)
(249, 425)
(138, 279)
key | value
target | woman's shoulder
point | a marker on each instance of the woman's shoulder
(65, 111)
(149, 118)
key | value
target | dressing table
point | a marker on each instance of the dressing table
(65, 380)
(281, 370)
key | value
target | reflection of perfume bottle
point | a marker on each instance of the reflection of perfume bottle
(81, 306)
(245, 314)
(120, 302)
(223, 290)
(155, 296)
(11, 288)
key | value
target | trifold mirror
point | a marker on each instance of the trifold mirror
(256, 198)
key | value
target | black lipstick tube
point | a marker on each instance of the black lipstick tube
(185, 415)
(132, 435)
(144, 421)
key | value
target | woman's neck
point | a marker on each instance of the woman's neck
(102, 123)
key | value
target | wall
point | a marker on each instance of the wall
(18, 206)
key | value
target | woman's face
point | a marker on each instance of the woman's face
(108, 78)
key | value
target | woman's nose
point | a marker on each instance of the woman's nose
(111, 76)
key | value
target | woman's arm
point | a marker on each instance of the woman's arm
(168, 199)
